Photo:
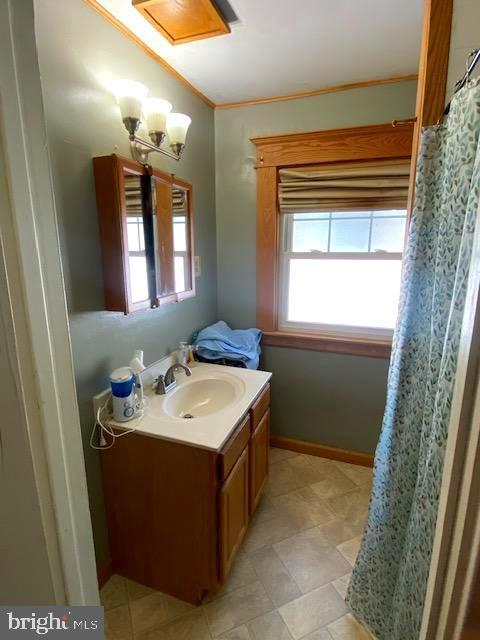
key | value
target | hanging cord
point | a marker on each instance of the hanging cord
(106, 429)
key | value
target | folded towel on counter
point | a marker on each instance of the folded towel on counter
(218, 342)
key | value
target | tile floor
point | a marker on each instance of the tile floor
(290, 576)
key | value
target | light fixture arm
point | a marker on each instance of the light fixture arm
(142, 148)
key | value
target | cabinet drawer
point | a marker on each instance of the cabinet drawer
(234, 447)
(259, 407)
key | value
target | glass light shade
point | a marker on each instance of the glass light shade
(156, 111)
(130, 95)
(177, 127)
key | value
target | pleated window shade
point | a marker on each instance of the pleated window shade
(133, 195)
(179, 198)
(345, 187)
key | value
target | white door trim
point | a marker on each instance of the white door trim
(42, 289)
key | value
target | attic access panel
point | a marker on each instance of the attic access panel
(181, 21)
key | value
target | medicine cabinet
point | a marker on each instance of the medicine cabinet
(146, 233)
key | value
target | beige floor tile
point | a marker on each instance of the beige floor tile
(190, 627)
(352, 506)
(262, 533)
(281, 479)
(273, 574)
(113, 593)
(335, 484)
(312, 611)
(277, 455)
(310, 561)
(338, 531)
(118, 624)
(319, 634)
(240, 633)
(265, 509)
(269, 627)
(241, 574)
(347, 628)
(350, 549)
(341, 584)
(308, 468)
(303, 508)
(156, 609)
(358, 474)
(135, 590)
(237, 608)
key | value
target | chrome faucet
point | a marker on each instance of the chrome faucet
(166, 383)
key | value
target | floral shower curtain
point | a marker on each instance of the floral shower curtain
(389, 581)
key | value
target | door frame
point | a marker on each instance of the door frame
(39, 313)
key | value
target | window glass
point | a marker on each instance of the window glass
(361, 293)
(179, 233)
(138, 278)
(350, 235)
(335, 290)
(310, 235)
(388, 234)
(179, 273)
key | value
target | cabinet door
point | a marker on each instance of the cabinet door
(259, 447)
(233, 513)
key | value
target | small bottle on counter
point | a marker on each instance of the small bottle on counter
(191, 355)
(183, 352)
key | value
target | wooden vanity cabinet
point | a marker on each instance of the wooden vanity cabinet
(177, 514)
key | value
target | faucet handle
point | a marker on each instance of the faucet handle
(159, 385)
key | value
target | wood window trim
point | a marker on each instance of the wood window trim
(329, 344)
(370, 143)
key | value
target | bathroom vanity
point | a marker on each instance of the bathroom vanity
(180, 491)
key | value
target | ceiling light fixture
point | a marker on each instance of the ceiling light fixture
(136, 108)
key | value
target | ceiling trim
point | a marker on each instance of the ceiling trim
(318, 92)
(173, 72)
(241, 103)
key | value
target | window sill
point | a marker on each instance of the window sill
(333, 344)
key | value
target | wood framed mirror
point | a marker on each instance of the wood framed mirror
(146, 233)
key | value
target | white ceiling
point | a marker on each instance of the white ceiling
(280, 47)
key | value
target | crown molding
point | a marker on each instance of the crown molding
(318, 92)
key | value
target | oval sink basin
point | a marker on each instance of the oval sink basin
(201, 397)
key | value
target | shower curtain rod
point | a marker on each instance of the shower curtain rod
(473, 61)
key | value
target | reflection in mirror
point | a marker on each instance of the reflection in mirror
(161, 195)
(181, 240)
(137, 260)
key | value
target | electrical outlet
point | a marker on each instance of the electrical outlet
(100, 399)
(198, 267)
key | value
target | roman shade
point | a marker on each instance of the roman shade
(345, 187)
(179, 197)
(133, 195)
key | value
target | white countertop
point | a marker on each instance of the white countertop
(209, 431)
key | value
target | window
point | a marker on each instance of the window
(137, 258)
(180, 252)
(340, 271)
(331, 221)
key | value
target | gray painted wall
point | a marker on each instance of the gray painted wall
(79, 53)
(328, 398)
